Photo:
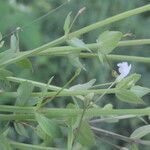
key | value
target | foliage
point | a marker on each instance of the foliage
(65, 116)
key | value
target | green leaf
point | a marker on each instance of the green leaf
(128, 96)
(108, 40)
(74, 60)
(25, 64)
(47, 125)
(14, 43)
(4, 73)
(4, 143)
(20, 129)
(84, 86)
(7, 55)
(1, 44)
(67, 23)
(85, 135)
(3, 126)
(129, 81)
(71, 121)
(140, 132)
(24, 92)
(139, 90)
(41, 133)
(134, 147)
(75, 42)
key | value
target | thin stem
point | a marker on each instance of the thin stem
(118, 136)
(112, 118)
(62, 93)
(48, 99)
(119, 57)
(106, 141)
(111, 20)
(24, 146)
(78, 33)
(37, 84)
(100, 97)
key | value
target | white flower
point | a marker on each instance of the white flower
(124, 70)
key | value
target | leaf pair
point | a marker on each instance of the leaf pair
(50, 127)
(128, 92)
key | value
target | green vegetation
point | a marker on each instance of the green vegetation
(74, 75)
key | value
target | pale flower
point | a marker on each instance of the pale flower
(124, 70)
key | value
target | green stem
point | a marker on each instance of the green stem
(24, 146)
(37, 84)
(119, 57)
(111, 20)
(63, 112)
(134, 42)
(52, 51)
(16, 109)
(62, 93)
(78, 33)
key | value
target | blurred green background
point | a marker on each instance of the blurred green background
(22, 13)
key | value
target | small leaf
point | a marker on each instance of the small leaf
(24, 92)
(14, 43)
(75, 42)
(67, 23)
(74, 60)
(139, 90)
(85, 135)
(25, 64)
(84, 86)
(140, 132)
(129, 81)
(128, 96)
(108, 40)
(20, 129)
(48, 126)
